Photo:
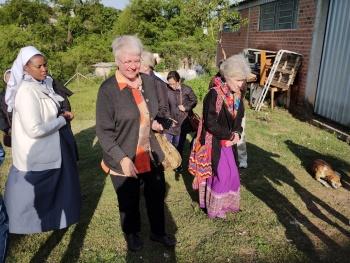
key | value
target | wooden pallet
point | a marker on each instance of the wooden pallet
(281, 75)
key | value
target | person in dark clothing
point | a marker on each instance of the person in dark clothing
(223, 110)
(241, 145)
(126, 108)
(182, 100)
(64, 92)
(5, 116)
(4, 224)
(65, 106)
(147, 66)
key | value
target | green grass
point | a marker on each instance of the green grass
(286, 215)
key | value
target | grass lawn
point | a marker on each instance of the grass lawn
(286, 215)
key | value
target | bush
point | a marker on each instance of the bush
(199, 85)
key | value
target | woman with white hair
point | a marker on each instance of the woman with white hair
(223, 111)
(125, 110)
(42, 191)
(147, 65)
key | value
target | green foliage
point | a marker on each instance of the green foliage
(24, 12)
(178, 30)
(277, 193)
(73, 35)
(200, 86)
(79, 58)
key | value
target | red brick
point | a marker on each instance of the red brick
(297, 40)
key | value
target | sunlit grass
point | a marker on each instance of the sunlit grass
(286, 215)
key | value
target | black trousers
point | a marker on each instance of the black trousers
(186, 128)
(128, 193)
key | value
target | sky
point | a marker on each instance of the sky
(119, 4)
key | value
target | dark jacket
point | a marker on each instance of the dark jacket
(221, 125)
(61, 90)
(5, 116)
(118, 121)
(175, 97)
(162, 94)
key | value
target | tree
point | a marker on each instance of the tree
(214, 16)
(24, 12)
(179, 29)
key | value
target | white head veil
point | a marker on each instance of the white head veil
(17, 71)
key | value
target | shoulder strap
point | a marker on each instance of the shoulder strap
(219, 101)
(8, 119)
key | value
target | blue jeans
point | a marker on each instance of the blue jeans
(4, 231)
(2, 154)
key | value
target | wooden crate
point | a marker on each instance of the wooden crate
(286, 71)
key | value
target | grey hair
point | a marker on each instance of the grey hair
(131, 43)
(235, 66)
(148, 59)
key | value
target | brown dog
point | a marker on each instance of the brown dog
(324, 173)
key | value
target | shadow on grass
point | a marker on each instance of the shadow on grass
(307, 156)
(186, 176)
(263, 170)
(92, 182)
(153, 251)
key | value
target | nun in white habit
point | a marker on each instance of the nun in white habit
(42, 191)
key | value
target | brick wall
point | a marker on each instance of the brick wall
(298, 40)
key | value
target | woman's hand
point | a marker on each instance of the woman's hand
(156, 126)
(232, 142)
(174, 123)
(181, 108)
(128, 167)
(236, 138)
(68, 115)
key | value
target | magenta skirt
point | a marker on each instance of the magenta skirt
(220, 194)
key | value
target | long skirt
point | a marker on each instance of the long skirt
(220, 194)
(38, 201)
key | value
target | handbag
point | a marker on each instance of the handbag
(200, 164)
(7, 136)
(194, 120)
(7, 139)
(172, 158)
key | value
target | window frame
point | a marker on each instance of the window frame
(276, 19)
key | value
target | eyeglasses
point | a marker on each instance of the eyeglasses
(130, 63)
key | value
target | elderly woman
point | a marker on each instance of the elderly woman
(126, 107)
(147, 65)
(42, 191)
(223, 111)
(181, 100)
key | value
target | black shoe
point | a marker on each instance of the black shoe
(134, 242)
(166, 240)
